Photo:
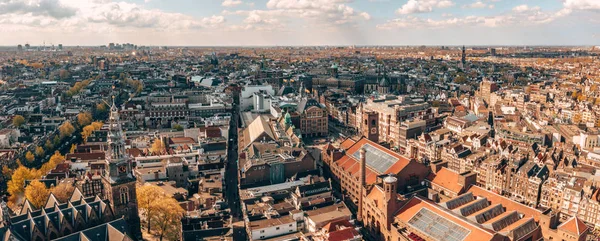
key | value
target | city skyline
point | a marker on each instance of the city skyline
(300, 22)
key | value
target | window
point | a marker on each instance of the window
(262, 231)
(277, 228)
(124, 194)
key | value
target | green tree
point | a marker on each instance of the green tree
(178, 127)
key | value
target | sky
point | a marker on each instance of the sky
(300, 22)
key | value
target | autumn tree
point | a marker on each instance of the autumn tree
(29, 156)
(73, 148)
(89, 129)
(39, 151)
(167, 221)
(18, 120)
(158, 146)
(64, 74)
(16, 185)
(37, 193)
(6, 172)
(100, 112)
(54, 160)
(63, 191)
(84, 118)
(66, 129)
(48, 145)
(147, 198)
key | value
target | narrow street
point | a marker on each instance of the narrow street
(231, 178)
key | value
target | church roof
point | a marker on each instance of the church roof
(76, 212)
(306, 103)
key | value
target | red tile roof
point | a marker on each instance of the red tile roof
(447, 179)
(349, 164)
(574, 226)
(416, 203)
(510, 205)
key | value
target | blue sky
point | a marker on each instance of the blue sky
(301, 22)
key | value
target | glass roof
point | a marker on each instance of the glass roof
(437, 227)
(377, 159)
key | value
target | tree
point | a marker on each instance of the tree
(84, 118)
(66, 129)
(6, 172)
(18, 120)
(48, 145)
(37, 193)
(64, 74)
(89, 129)
(29, 156)
(63, 191)
(167, 221)
(39, 151)
(147, 196)
(100, 112)
(54, 160)
(16, 185)
(158, 146)
(178, 127)
(56, 140)
(73, 148)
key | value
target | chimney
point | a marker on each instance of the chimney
(436, 166)
(466, 179)
(361, 182)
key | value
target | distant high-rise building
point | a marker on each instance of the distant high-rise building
(20, 47)
(27, 46)
(111, 45)
(493, 51)
(463, 58)
(60, 46)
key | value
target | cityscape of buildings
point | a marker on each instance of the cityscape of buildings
(131, 142)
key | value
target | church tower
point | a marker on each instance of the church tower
(118, 178)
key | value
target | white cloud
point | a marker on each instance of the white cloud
(231, 3)
(322, 12)
(582, 4)
(423, 6)
(50, 8)
(478, 4)
(521, 15)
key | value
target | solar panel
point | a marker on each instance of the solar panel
(437, 227)
(473, 207)
(458, 201)
(377, 159)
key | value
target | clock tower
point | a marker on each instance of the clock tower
(118, 178)
(370, 126)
